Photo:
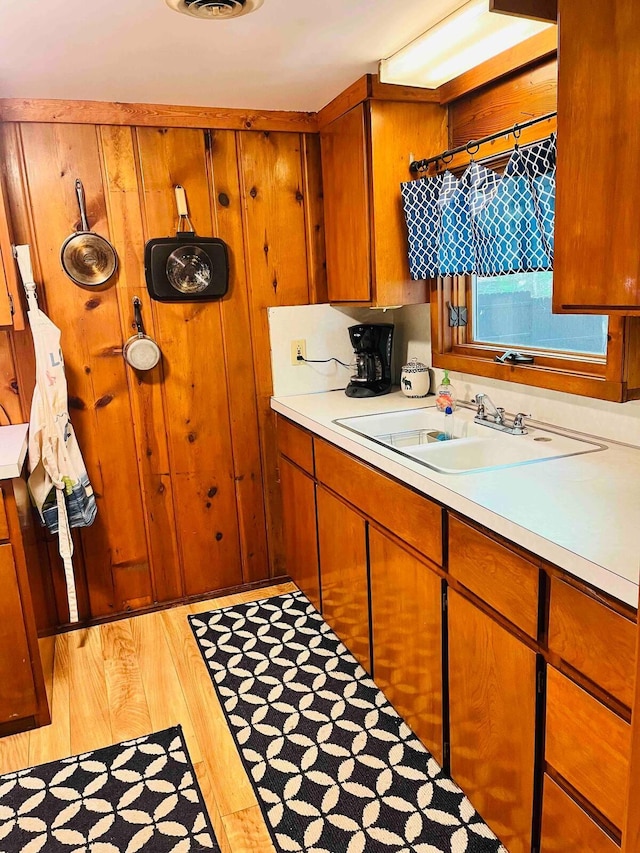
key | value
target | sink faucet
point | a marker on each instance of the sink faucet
(484, 402)
(488, 414)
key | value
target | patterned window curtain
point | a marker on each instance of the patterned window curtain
(422, 212)
(456, 253)
(484, 222)
(508, 234)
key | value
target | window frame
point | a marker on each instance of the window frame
(590, 376)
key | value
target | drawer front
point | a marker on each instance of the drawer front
(593, 639)
(295, 444)
(4, 524)
(588, 745)
(566, 828)
(500, 577)
(413, 518)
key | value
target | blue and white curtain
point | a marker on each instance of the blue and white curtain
(484, 222)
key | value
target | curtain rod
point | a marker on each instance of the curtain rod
(474, 144)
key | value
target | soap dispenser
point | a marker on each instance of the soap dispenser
(446, 395)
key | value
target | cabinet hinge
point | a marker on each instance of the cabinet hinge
(11, 305)
(446, 751)
(444, 601)
(540, 682)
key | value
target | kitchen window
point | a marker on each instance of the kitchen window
(476, 320)
(514, 312)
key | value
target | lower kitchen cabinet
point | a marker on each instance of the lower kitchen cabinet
(342, 541)
(23, 701)
(300, 537)
(406, 623)
(492, 708)
(566, 828)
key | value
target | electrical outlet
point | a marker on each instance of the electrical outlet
(298, 352)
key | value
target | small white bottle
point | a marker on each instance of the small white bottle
(448, 424)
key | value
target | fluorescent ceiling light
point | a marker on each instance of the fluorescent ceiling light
(468, 37)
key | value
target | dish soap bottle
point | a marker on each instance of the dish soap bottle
(446, 395)
(447, 432)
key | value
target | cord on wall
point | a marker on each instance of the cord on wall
(323, 361)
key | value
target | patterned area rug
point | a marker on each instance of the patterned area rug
(141, 795)
(335, 769)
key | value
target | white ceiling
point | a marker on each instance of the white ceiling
(290, 54)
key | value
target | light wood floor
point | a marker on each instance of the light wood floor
(140, 675)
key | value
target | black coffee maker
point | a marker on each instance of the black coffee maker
(372, 344)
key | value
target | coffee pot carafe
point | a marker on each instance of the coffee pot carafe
(372, 344)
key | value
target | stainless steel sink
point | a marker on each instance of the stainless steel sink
(418, 435)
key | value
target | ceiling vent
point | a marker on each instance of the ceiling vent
(215, 10)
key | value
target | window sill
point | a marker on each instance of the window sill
(568, 381)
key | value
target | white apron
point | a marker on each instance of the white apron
(58, 481)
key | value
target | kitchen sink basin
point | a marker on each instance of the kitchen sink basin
(418, 435)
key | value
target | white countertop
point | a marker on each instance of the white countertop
(581, 513)
(13, 450)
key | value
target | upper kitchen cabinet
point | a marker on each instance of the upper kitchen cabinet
(597, 259)
(368, 136)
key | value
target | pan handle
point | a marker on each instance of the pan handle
(137, 314)
(82, 205)
(183, 209)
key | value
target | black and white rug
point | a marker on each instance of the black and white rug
(141, 795)
(335, 769)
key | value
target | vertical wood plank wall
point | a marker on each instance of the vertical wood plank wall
(182, 457)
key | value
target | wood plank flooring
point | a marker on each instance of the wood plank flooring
(140, 675)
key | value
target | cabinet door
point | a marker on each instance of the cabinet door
(597, 256)
(406, 625)
(345, 179)
(17, 688)
(342, 539)
(300, 536)
(492, 701)
(566, 828)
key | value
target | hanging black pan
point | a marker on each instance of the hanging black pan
(186, 268)
(87, 258)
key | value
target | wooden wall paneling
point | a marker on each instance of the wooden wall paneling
(531, 92)
(314, 209)
(276, 255)
(153, 115)
(145, 388)
(115, 546)
(195, 382)
(238, 347)
(534, 50)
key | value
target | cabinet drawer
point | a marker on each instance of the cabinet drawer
(413, 518)
(295, 444)
(500, 577)
(4, 524)
(593, 639)
(588, 745)
(566, 828)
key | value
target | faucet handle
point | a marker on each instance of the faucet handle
(518, 421)
(500, 415)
